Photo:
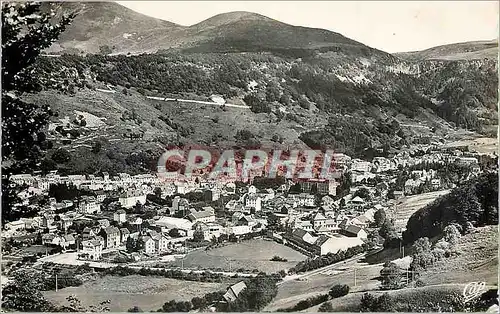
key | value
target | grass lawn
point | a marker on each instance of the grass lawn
(149, 293)
(411, 204)
(249, 255)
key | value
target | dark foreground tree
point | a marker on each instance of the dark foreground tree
(24, 294)
(26, 31)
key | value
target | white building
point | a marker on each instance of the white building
(120, 216)
(89, 205)
(176, 223)
(252, 200)
(149, 245)
(130, 198)
(207, 214)
(361, 165)
(92, 249)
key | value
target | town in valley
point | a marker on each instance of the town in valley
(112, 200)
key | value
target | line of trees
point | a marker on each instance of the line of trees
(327, 259)
(205, 276)
(336, 291)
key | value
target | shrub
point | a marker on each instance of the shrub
(423, 260)
(326, 307)
(276, 258)
(451, 234)
(307, 303)
(419, 283)
(256, 105)
(61, 156)
(338, 291)
(438, 253)
(391, 276)
(383, 303)
(244, 135)
(135, 309)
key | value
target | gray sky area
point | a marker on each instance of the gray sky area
(392, 26)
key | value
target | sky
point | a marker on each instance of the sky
(392, 26)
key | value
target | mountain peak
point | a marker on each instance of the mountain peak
(231, 17)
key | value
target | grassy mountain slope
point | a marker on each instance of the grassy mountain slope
(477, 260)
(474, 50)
(106, 24)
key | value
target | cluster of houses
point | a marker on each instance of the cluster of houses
(312, 219)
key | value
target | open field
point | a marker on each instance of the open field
(480, 144)
(249, 255)
(293, 291)
(149, 293)
(411, 204)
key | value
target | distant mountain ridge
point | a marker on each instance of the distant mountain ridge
(473, 50)
(108, 24)
(107, 27)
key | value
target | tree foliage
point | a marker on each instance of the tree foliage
(26, 31)
(391, 276)
(475, 202)
(24, 293)
(338, 291)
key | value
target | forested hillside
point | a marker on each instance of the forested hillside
(475, 202)
(360, 96)
(304, 86)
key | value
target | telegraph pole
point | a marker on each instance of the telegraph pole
(354, 277)
(56, 282)
(183, 257)
(407, 276)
